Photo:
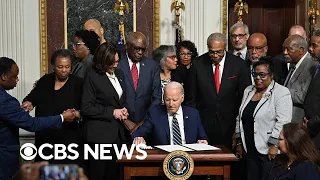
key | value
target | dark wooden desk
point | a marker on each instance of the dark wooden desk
(205, 163)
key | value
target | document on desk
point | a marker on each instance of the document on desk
(170, 148)
(201, 147)
(187, 147)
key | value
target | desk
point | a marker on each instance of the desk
(205, 163)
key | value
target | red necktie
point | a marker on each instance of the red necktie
(217, 77)
(135, 77)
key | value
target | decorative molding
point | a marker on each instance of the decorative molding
(134, 15)
(224, 22)
(43, 38)
(156, 23)
(65, 21)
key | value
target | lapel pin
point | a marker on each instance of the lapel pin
(187, 117)
(142, 64)
(120, 80)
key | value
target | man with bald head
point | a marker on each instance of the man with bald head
(142, 77)
(95, 25)
(302, 67)
(257, 48)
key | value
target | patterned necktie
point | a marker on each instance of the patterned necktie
(217, 77)
(135, 77)
(176, 131)
(239, 54)
(291, 70)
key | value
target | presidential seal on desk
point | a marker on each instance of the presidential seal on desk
(178, 165)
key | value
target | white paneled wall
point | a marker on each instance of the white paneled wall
(199, 20)
(20, 41)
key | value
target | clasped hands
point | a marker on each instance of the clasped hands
(121, 114)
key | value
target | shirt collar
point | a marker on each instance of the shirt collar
(130, 61)
(221, 63)
(242, 51)
(113, 76)
(300, 61)
(179, 112)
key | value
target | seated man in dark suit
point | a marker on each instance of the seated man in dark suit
(172, 123)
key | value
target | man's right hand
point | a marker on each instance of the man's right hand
(139, 140)
(69, 115)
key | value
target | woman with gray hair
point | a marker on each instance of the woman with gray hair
(166, 56)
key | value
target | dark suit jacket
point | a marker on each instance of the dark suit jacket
(218, 111)
(296, 171)
(156, 124)
(13, 117)
(43, 98)
(80, 68)
(99, 100)
(149, 87)
(312, 109)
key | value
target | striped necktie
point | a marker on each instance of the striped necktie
(176, 131)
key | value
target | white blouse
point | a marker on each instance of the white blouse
(115, 82)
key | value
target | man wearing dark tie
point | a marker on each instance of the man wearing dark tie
(217, 81)
(302, 67)
(142, 78)
(171, 124)
(239, 34)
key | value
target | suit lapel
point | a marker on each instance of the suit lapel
(142, 77)
(165, 124)
(126, 69)
(186, 124)
(208, 69)
(122, 85)
(77, 67)
(227, 69)
(265, 97)
(300, 69)
(112, 89)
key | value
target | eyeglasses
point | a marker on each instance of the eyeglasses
(172, 57)
(138, 49)
(78, 44)
(188, 54)
(258, 49)
(260, 74)
(240, 36)
(219, 53)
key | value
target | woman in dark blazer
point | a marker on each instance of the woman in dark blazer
(299, 158)
(103, 109)
(54, 93)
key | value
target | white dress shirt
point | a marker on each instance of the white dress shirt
(115, 83)
(131, 63)
(179, 116)
(242, 51)
(221, 66)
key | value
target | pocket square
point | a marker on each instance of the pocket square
(232, 77)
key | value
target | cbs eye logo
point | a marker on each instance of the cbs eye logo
(28, 151)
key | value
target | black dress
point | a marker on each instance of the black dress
(48, 102)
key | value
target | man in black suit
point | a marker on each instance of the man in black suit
(257, 48)
(217, 81)
(311, 102)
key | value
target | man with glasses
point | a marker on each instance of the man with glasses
(239, 34)
(302, 67)
(257, 48)
(142, 77)
(216, 83)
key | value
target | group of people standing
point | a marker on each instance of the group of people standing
(240, 99)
